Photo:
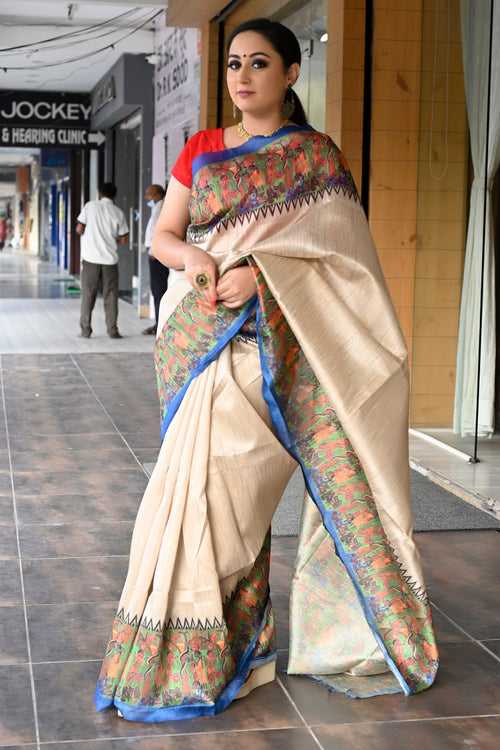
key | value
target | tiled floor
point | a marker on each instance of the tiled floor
(71, 477)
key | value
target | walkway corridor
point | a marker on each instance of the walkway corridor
(39, 313)
(78, 430)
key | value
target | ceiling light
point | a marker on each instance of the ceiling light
(324, 37)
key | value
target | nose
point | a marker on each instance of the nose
(244, 73)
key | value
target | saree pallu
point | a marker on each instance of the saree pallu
(312, 371)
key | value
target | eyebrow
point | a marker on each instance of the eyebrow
(254, 54)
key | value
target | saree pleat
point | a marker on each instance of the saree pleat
(195, 614)
(312, 371)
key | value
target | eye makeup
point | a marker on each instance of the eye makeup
(257, 63)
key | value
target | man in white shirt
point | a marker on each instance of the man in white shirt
(102, 227)
(158, 273)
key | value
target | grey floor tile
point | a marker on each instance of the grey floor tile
(128, 422)
(33, 289)
(280, 607)
(10, 583)
(73, 579)
(64, 389)
(74, 540)
(13, 649)
(493, 646)
(17, 723)
(147, 455)
(53, 410)
(47, 404)
(141, 418)
(111, 383)
(5, 484)
(73, 460)
(286, 546)
(36, 361)
(445, 631)
(281, 573)
(40, 425)
(8, 542)
(56, 444)
(271, 739)
(6, 509)
(120, 362)
(68, 632)
(44, 509)
(468, 684)
(4, 459)
(72, 406)
(448, 734)
(141, 439)
(138, 410)
(71, 686)
(461, 568)
(98, 480)
(145, 391)
(57, 375)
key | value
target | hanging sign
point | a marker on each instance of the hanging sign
(33, 118)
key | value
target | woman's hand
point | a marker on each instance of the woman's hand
(197, 261)
(236, 287)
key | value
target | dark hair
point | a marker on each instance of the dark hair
(108, 190)
(158, 189)
(286, 44)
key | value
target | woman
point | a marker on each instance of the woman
(278, 345)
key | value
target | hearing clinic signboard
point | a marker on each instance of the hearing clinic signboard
(33, 118)
(176, 94)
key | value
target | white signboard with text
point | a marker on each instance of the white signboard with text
(177, 95)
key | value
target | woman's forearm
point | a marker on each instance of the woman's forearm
(169, 249)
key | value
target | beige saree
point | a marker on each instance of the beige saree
(312, 371)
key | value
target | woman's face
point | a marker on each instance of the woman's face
(256, 77)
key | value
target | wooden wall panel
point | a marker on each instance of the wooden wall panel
(394, 149)
(441, 216)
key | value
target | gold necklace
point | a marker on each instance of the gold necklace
(243, 132)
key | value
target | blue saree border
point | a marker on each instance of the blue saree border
(152, 715)
(285, 438)
(206, 360)
(253, 144)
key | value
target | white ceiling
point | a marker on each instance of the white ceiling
(29, 22)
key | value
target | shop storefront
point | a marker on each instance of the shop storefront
(408, 91)
(122, 107)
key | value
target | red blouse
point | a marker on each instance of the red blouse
(203, 142)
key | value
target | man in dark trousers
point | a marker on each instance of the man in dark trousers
(102, 227)
(158, 273)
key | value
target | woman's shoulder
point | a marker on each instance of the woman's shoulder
(202, 142)
(325, 154)
(209, 139)
(324, 143)
(321, 139)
